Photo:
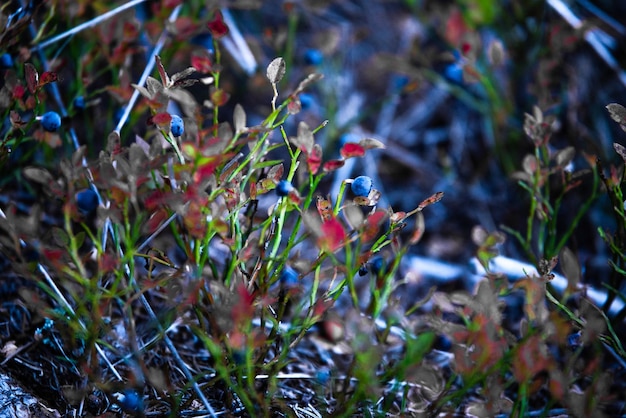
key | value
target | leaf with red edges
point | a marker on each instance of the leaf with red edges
(276, 172)
(202, 62)
(32, 77)
(47, 77)
(219, 97)
(350, 149)
(418, 231)
(161, 119)
(217, 27)
(430, 200)
(333, 236)
(314, 159)
(165, 79)
(155, 220)
(333, 165)
(373, 224)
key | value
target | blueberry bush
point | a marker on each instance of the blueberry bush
(217, 208)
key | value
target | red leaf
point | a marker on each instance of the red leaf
(161, 119)
(429, 201)
(202, 63)
(333, 235)
(130, 31)
(156, 219)
(294, 197)
(333, 165)
(314, 159)
(32, 77)
(419, 229)
(206, 169)
(108, 263)
(276, 172)
(165, 79)
(219, 97)
(185, 27)
(455, 28)
(47, 77)
(372, 225)
(217, 27)
(294, 107)
(350, 149)
(18, 92)
(244, 309)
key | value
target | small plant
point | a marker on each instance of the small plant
(182, 253)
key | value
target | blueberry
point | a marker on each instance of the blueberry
(51, 121)
(87, 201)
(378, 265)
(289, 277)
(399, 81)
(306, 100)
(6, 61)
(177, 126)
(283, 188)
(322, 376)
(362, 270)
(130, 401)
(313, 57)
(454, 72)
(361, 186)
(79, 102)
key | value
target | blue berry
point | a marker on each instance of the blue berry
(322, 376)
(454, 72)
(361, 186)
(177, 126)
(306, 100)
(283, 188)
(378, 266)
(399, 81)
(79, 102)
(86, 201)
(130, 401)
(289, 277)
(313, 57)
(51, 121)
(6, 61)
(362, 270)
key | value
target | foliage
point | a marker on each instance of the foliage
(183, 254)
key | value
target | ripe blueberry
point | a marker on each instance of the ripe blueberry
(378, 266)
(289, 277)
(177, 126)
(79, 102)
(6, 61)
(361, 186)
(283, 188)
(313, 57)
(51, 121)
(130, 401)
(86, 201)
